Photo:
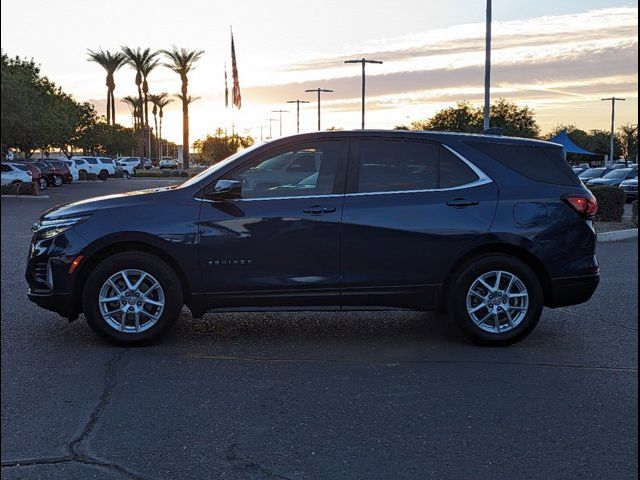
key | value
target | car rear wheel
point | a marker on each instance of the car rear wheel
(103, 175)
(58, 180)
(131, 299)
(125, 174)
(42, 183)
(496, 299)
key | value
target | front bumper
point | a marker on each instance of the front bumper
(60, 303)
(571, 290)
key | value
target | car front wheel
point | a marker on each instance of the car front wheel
(58, 181)
(132, 298)
(42, 183)
(496, 299)
(103, 175)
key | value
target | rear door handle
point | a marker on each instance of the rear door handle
(319, 210)
(462, 202)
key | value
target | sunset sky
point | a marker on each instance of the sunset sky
(558, 57)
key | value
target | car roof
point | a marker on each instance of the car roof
(443, 137)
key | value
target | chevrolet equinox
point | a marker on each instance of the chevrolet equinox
(488, 228)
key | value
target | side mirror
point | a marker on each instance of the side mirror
(225, 190)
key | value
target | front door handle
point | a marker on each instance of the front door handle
(462, 202)
(319, 210)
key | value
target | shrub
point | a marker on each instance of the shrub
(92, 176)
(610, 203)
(82, 175)
(634, 212)
(22, 188)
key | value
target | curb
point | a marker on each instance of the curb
(35, 197)
(618, 235)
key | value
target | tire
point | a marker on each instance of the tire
(16, 182)
(156, 269)
(525, 303)
(42, 183)
(57, 180)
(103, 175)
(126, 175)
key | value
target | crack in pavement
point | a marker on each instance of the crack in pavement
(245, 463)
(74, 454)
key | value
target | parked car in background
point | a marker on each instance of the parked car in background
(61, 168)
(167, 162)
(103, 167)
(12, 174)
(147, 163)
(128, 165)
(579, 170)
(614, 178)
(36, 174)
(386, 219)
(630, 188)
(75, 174)
(596, 172)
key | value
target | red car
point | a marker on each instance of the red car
(36, 174)
(55, 171)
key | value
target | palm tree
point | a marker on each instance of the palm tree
(142, 61)
(111, 62)
(133, 104)
(148, 67)
(182, 61)
(159, 101)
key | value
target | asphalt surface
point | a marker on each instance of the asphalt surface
(317, 395)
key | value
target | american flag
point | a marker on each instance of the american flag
(237, 98)
(226, 88)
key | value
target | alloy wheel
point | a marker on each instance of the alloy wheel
(131, 301)
(497, 301)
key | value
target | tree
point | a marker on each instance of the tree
(182, 61)
(134, 107)
(159, 101)
(104, 139)
(628, 138)
(111, 62)
(35, 113)
(142, 61)
(515, 121)
(219, 146)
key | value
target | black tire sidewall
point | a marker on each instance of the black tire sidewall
(470, 272)
(58, 181)
(148, 263)
(42, 183)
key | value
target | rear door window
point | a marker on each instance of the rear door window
(539, 163)
(396, 165)
(453, 171)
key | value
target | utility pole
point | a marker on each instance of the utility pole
(613, 116)
(280, 119)
(297, 102)
(270, 129)
(487, 71)
(363, 61)
(318, 90)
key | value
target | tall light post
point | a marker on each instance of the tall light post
(318, 90)
(297, 102)
(270, 129)
(363, 61)
(280, 118)
(487, 70)
(613, 116)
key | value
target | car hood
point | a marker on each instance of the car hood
(604, 181)
(89, 205)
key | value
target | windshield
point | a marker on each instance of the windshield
(217, 166)
(619, 173)
(592, 173)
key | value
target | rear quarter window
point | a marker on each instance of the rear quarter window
(539, 163)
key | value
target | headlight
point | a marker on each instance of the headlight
(48, 228)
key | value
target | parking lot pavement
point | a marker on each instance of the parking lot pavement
(317, 395)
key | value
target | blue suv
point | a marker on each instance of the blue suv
(489, 228)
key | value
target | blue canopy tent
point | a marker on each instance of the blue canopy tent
(571, 148)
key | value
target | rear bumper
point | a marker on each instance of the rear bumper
(571, 290)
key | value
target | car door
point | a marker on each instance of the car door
(7, 174)
(412, 207)
(278, 243)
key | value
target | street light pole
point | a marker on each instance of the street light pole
(297, 102)
(487, 71)
(363, 61)
(318, 90)
(613, 116)
(280, 120)
(271, 120)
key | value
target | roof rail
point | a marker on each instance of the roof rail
(493, 131)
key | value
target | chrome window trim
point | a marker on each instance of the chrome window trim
(483, 179)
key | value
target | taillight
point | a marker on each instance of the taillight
(585, 205)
